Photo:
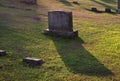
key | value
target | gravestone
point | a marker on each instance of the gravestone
(94, 9)
(33, 61)
(2, 52)
(60, 24)
(108, 10)
(29, 1)
(118, 7)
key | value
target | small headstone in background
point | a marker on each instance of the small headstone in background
(108, 10)
(2, 52)
(33, 61)
(29, 1)
(94, 9)
(60, 24)
(118, 11)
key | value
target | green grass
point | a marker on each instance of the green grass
(94, 56)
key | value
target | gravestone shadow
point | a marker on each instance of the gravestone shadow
(77, 59)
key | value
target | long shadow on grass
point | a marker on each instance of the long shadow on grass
(109, 1)
(100, 12)
(105, 5)
(77, 59)
(10, 39)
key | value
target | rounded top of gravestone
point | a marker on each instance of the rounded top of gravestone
(2, 50)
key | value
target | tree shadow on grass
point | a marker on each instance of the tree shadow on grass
(110, 1)
(100, 11)
(77, 59)
(105, 5)
(66, 3)
(10, 39)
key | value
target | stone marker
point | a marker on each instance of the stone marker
(94, 9)
(33, 61)
(118, 7)
(108, 10)
(29, 1)
(2, 52)
(60, 24)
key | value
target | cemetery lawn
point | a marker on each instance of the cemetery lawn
(93, 56)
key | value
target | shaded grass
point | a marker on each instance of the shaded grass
(67, 3)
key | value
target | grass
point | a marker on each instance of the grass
(94, 56)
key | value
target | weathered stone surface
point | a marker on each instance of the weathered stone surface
(60, 21)
(2, 52)
(33, 61)
(29, 1)
(108, 10)
(118, 7)
(62, 34)
(94, 9)
(60, 24)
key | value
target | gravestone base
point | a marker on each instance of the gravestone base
(68, 34)
(33, 61)
(2, 52)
